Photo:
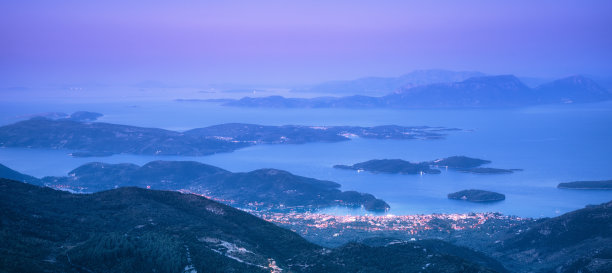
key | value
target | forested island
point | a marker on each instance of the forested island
(390, 166)
(477, 196)
(101, 139)
(399, 166)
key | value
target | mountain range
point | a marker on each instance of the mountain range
(384, 85)
(482, 91)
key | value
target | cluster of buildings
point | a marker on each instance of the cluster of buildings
(412, 224)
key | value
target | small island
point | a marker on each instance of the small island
(391, 166)
(399, 166)
(477, 196)
(84, 116)
(587, 185)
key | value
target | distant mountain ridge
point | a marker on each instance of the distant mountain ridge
(482, 91)
(385, 85)
(572, 89)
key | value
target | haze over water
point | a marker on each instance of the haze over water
(552, 144)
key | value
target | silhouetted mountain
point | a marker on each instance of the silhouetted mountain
(440, 246)
(138, 230)
(485, 91)
(385, 85)
(265, 187)
(100, 139)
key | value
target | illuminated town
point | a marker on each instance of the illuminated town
(330, 227)
(412, 224)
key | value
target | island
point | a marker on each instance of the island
(84, 116)
(263, 189)
(587, 185)
(98, 138)
(477, 196)
(399, 166)
(391, 166)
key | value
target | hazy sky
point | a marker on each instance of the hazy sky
(196, 42)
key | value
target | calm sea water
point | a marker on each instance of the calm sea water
(552, 144)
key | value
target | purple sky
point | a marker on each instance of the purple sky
(198, 42)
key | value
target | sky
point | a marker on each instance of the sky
(296, 42)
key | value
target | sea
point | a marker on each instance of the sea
(551, 143)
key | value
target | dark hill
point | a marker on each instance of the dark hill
(138, 230)
(578, 241)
